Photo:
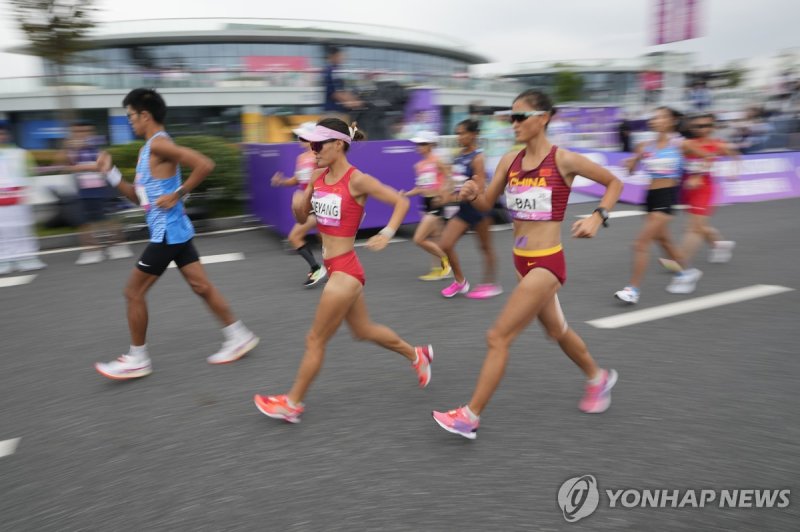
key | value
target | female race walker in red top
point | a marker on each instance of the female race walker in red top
(699, 191)
(304, 168)
(337, 196)
(536, 183)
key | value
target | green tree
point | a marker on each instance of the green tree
(56, 31)
(568, 86)
(223, 188)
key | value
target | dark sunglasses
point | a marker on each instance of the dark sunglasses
(703, 126)
(519, 116)
(316, 147)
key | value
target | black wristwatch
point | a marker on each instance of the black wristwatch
(603, 214)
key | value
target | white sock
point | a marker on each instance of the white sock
(416, 357)
(471, 414)
(138, 352)
(234, 330)
(598, 379)
(291, 403)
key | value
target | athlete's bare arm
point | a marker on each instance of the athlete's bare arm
(484, 200)
(302, 209)
(631, 162)
(278, 180)
(362, 184)
(173, 154)
(572, 164)
(104, 164)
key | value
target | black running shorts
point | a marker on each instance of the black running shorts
(157, 256)
(661, 200)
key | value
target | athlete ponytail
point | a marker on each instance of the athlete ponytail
(470, 125)
(341, 126)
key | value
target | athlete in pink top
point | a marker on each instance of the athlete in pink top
(431, 183)
(304, 168)
(337, 195)
(536, 183)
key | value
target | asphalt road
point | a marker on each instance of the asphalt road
(705, 400)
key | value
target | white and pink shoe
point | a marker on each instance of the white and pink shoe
(456, 288)
(485, 291)
(598, 395)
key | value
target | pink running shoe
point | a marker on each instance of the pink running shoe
(277, 407)
(458, 421)
(485, 291)
(598, 396)
(456, 288)
(423, 364)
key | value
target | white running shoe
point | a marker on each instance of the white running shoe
(721, 252)
(29, 265)
(119, 251)
(124, 368)
(90, 257)
(234, 349)
(685, 282)
(629, 295)
(315, 276)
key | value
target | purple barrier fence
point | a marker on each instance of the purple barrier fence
(759, 177)
(389, 161)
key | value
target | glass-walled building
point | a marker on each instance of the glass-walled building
(233, 77)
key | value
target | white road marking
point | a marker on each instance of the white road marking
(235, 230)
(616, 214)
(501, 227)
(5, 282)
(628, 214)
(363, 243)
(214, 259)
(690, 305)
(211, 233)
(67, 250)
(8, 447)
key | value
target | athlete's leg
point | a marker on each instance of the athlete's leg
(135, 295)
(487, 250)
(664, 238)
(363, 328)
(453, 231)
(426, 228)
(555, 325)
(698, 230)
(195, 275)
(533, 292)
(337, 298)
(654, 221)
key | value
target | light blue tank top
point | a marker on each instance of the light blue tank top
(666, 162)
(166, 225)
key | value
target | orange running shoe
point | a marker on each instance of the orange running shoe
(277, 407)
(423, 364)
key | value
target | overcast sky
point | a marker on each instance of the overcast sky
(504, 30)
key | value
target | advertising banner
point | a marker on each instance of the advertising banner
(676, 20)
(389, 161)
(757, 177)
